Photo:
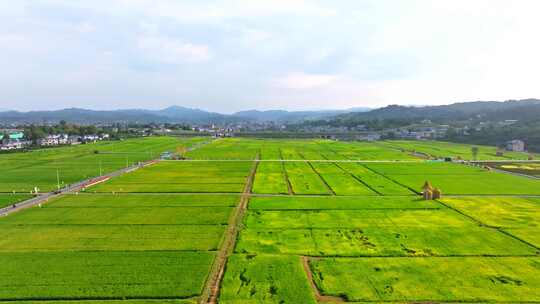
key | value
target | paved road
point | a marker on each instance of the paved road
(44, 197)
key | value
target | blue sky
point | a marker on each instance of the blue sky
(235, 55)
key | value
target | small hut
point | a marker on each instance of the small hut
(427, 195)
(437, 193)
(427, 192)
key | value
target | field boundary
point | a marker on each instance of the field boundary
(392, 180)
(212, 287)
(498, 229)
(316, 292)
(332, 192)
(359, 180)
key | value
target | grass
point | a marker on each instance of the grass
(440, 149)
(304, 180)
(370, 238)
(382, 241)
(102, 246)
(506, 212)
(474, 279)
(339, 202)
(270, 178)
(265, 279)
(108, 301)
(341, 219)
(457, 179)
(296, 149)
(367, 226)
(121, 216)
(102, 275)
(10, 199)
(179, 176)
(78, 237)
(22, 172)
(341, 182)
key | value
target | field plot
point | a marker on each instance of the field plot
(265, 279)
(297, 149)
(229, 149)
(102, 275)
(270, 178)
(103, 246)
(528, 168)
(10, 199)
(440, 149)
(304, 180)
(342, 182)
(325, 227)
(382, 226)
(449, 279)
(180, 176)
(22, 172)
(518, 216)
(456, 178)
(376, 182)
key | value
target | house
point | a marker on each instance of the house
(515, 145)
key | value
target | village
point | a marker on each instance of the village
(14, 139)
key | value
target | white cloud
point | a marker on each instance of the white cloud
(168, 50)
(302, 81)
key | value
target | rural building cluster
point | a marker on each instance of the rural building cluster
(14, 139)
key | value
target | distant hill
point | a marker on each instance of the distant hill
(292, 116)
(173, 114)
(512, 109)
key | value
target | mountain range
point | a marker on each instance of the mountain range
(173, 114)
(523, 110)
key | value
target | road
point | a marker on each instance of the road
(44, 197)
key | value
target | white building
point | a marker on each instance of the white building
(515, 145)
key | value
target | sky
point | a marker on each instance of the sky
(233, 55)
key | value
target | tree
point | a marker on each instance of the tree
(474, 151)
(5, 137)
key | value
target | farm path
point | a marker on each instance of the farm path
(211, 292)
(317, 293)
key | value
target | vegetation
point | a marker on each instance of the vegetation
(46, 169)
(265, 279)
(10, 199)
(320, 225)
(464, 279)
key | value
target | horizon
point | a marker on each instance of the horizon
(264, 110)
(232, 56)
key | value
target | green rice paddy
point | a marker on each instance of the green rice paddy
(325, 222)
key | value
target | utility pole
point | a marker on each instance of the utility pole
(127, 163)
(100, 170)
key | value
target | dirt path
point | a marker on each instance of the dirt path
(317, 293)
(211, 291)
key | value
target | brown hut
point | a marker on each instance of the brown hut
(427, 195)
(427, 192)
(437, 193)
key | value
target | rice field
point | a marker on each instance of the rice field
(283, 221)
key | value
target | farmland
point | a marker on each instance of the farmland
(9, 199)
(45, 169)
(270, 221)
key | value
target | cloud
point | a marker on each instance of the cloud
(169, 50)
(302, 81)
